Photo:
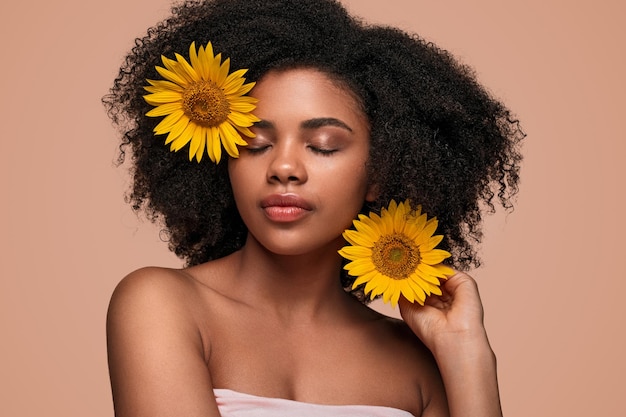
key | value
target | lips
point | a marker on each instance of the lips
(285, 207)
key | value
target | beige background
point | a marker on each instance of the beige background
(553, 281)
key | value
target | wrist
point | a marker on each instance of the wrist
(469, 372)
(462, 346)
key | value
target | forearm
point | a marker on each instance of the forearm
(468, 369)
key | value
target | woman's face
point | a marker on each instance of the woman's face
(300, 182)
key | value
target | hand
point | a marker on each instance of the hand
(451, 326)
(453, 317)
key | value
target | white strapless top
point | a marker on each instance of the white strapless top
(236, 404)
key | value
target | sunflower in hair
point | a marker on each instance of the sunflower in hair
(202, 104)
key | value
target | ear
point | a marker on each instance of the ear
(372, 193)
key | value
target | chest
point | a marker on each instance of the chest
(328, 365)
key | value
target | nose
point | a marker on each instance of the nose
(287, 165)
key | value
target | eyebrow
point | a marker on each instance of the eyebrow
(324, 121)
(315, 123)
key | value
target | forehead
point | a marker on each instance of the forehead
(305, 92)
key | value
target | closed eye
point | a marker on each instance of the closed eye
(322, 151)
(256, 149)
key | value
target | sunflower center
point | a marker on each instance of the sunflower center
(205, 103)
(395, 256)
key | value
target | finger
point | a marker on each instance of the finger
(407, 307)
(459, 278)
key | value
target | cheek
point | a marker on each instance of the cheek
(242, 169)
(358, 171)
(351, 181)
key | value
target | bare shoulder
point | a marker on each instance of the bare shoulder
(157, 355)
(149, 293)
(150, 286)
(151, 304)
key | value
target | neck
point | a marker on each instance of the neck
(301, 287)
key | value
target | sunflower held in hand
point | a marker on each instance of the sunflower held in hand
(394, 254)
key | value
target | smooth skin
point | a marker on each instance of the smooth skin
(272, 319)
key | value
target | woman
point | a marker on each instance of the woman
(261, 178)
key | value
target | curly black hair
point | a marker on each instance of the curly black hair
(438, 138)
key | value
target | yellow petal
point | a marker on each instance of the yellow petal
(200, 152)
(229, 136)
(195, 62)
(369, 233)
(444, 270)
(357, 239)
(184, 138)
(360, 267)
(431, 244)
(394, 298)
(196, 141)
(399, 218)
(373, 222)
(434, 256)
(418, 223)
(388, 293)
(170, 86)
(251, 117)
(186, 70)
(163, 97)
(223, 72)
(234, 82)
(421, 277)
(428, 231)
(216, 144)
(168, 122)
(377, 285)
(239, 119)
(242, 107)
(243, 99)
(205, 62)
(429, 288)
(420, 295)
(434, 289)
(364, 278)
(356, 252)
(169, 64)
(164, 85)
(214, 67)
(246, 132)
(163, 110)
(172, 76)
(407, 291)
(386, 222)
(245, 89)
(209, 142)
(177, 129)
(430, 270)
(393, 206)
